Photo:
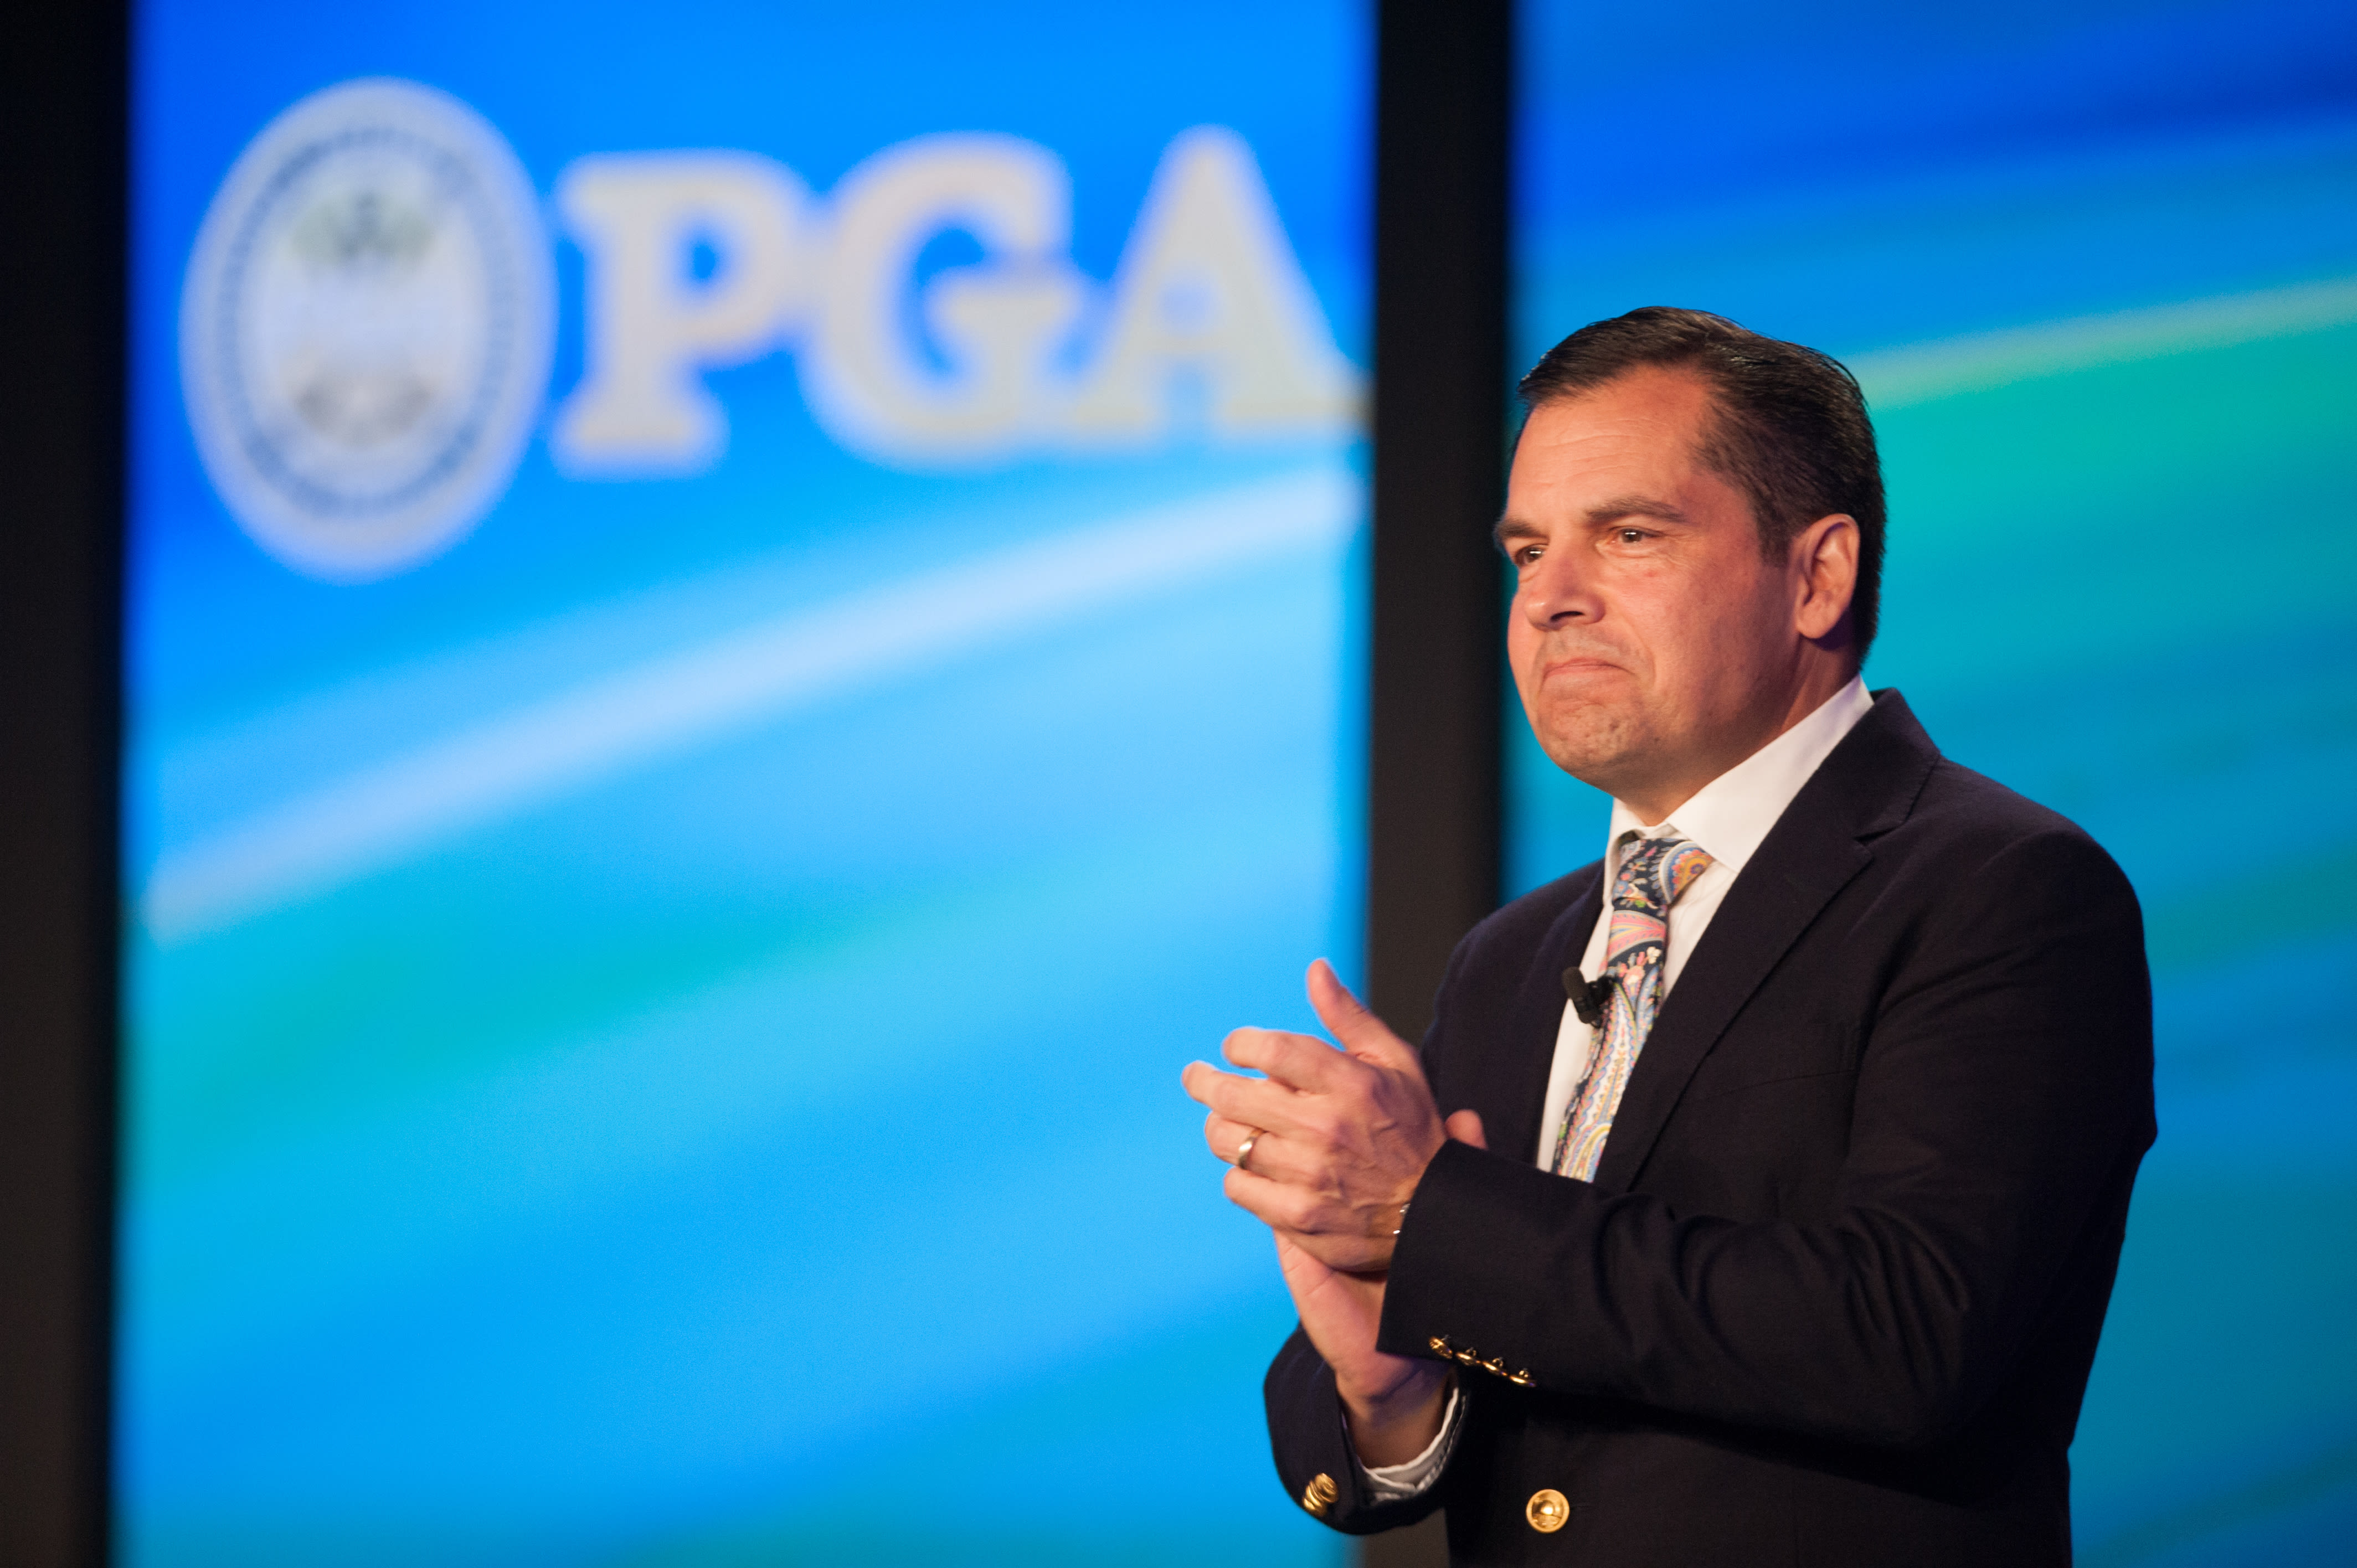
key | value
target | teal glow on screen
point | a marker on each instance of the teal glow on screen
(744, 633)
(2096, 268)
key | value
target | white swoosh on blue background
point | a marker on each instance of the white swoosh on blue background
(388, 812)
(1925, 373)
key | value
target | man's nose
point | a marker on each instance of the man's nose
(1556, 590)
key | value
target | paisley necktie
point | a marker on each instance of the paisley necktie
(1654, 872)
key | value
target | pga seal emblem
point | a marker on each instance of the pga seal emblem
(366, 328)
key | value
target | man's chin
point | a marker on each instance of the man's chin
(1595, 748)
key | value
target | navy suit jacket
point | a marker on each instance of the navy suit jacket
(1832, 1295)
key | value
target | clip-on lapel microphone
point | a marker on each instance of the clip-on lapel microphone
(1588, 998)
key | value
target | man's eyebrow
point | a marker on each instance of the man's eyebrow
(1620, 507)
(1507, 529)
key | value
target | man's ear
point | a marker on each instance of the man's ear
(1824, 560)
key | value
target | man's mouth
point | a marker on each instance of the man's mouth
(1577, 666)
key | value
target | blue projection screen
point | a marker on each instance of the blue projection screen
(2096, 268)
(743, 633)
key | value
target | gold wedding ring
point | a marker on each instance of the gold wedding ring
(1244, 1150)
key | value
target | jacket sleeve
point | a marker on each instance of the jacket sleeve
(2003, 1099)
(1311, 1445)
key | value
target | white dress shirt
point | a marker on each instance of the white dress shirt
(1727, 818)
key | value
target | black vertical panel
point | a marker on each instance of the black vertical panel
(1441, 397)
(1442, 114)
(62, 95)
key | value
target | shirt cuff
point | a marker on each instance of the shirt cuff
(1412, 1478)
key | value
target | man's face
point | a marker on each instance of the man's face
(1654, 646)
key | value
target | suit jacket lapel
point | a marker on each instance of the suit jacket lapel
(1866, 787)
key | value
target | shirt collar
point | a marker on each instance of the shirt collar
(1729, 816)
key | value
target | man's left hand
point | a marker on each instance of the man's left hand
(1340, 1138)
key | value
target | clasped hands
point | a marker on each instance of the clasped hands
(1339, 1140)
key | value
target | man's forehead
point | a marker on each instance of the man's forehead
(1639, 434)
(1593, 461)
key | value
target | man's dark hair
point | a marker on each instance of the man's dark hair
(1791, 431)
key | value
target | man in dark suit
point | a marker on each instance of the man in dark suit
(1790, 1145)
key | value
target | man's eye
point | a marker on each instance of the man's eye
(1526, 555)
(1631, 535)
